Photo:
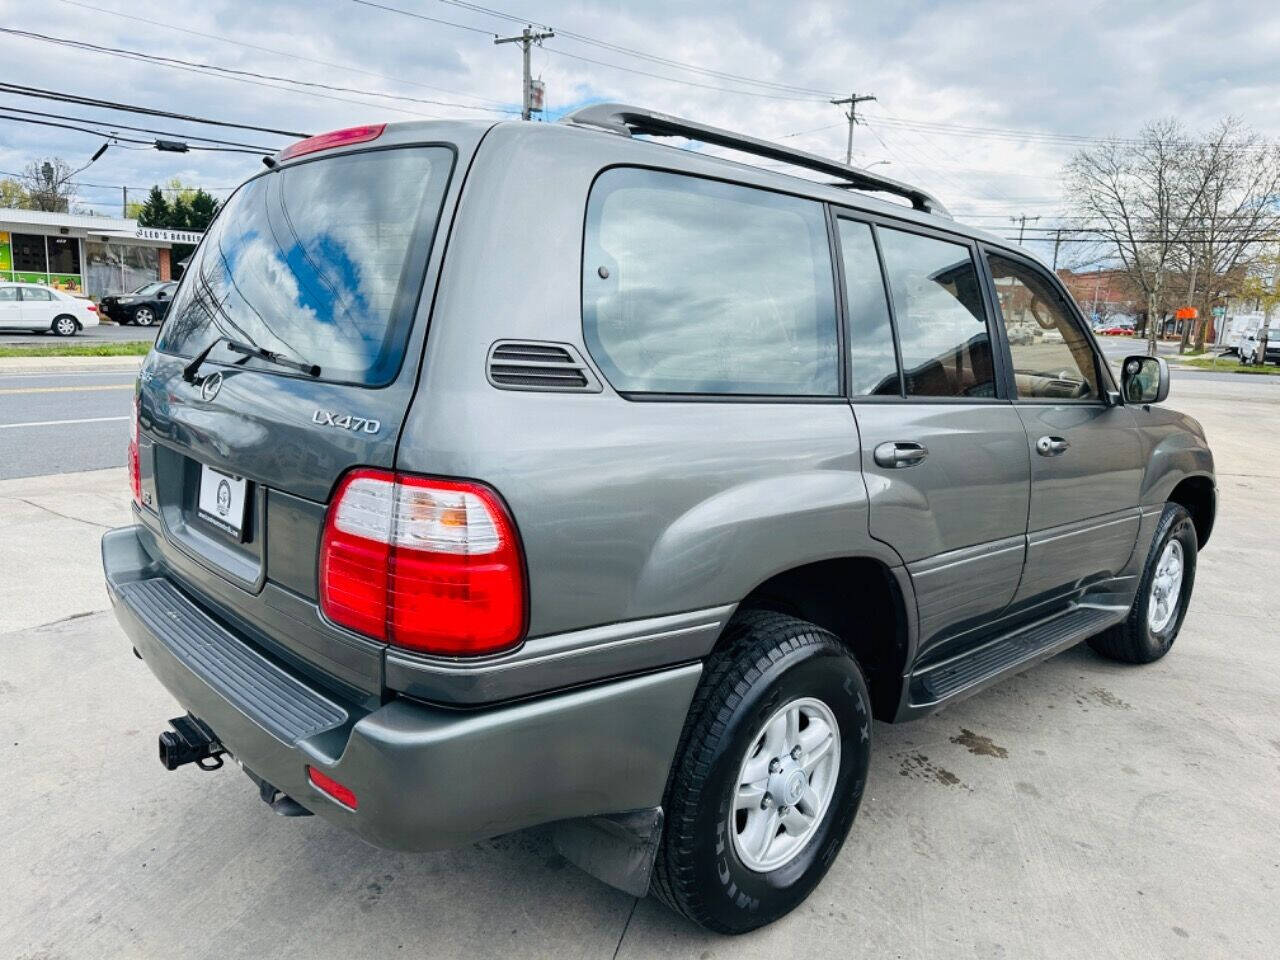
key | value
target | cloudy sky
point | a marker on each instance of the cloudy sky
(978, 102)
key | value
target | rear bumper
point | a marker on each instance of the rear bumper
(425, 778)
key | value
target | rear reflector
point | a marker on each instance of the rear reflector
(135, 464)
(331, 787)
(337, 138)
(426, 564)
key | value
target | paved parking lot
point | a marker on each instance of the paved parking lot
(1081, 809)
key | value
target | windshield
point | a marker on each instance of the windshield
(321, 261)
(146, 289)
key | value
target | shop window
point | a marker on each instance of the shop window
(29, 253)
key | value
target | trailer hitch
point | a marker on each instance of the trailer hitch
(190, 741)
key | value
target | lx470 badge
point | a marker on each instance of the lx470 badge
(345, 421)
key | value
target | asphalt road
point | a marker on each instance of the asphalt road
(103, 333)
(1082, 809)
(61, 422)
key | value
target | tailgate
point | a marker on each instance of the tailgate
(324, 261)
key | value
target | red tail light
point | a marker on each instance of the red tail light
(91, 307)
(326, 784)
(426, 564)
(135, 465)
(336, 138)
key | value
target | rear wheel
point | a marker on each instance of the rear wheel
(1164, 592)
(144, 316)
(65, 326)
(768, 775)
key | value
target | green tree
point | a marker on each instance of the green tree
(13, 194)
(203, 208)
(156, 211)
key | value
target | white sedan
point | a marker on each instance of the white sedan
(29, 306)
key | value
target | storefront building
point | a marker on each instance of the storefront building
(94, 256)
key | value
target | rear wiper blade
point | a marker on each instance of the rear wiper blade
(249, 350)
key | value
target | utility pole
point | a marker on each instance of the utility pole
(124, 203)
(1057, 242)
(526, 39)
(852, 101)
(1021, 221)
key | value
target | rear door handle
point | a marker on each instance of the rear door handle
(1051, 446)
(901, 453)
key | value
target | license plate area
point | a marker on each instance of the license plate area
(222, 501)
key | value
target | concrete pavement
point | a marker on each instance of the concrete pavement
(1080, 809)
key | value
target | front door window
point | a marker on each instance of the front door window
(1052, 359)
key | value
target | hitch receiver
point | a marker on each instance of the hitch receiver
(190, 741)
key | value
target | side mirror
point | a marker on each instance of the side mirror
(162, 295)
(1144, 379)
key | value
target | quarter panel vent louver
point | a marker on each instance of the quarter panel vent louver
(534, 365)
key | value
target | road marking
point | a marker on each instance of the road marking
(59, 423)
(100, 386)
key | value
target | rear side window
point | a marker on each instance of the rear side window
(691, 286)
(35, 293)
(873, 367)
(942, 327)
(321, 261)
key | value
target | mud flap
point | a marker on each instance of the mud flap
(618, 848)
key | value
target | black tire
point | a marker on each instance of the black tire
(65, 326)
(144, 317)
(1133, 640)
(768, 659)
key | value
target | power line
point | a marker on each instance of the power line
(687, 83)
(124, 126)
(638, 54)
(422, 16)
(116, 137)
(38, 93)
(119, 186)
(626, 51)
(274, 52)
(232, 73)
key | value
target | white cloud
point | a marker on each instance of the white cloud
(1079, 68)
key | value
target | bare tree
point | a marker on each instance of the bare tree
(48, 184)
(1238, 209)
(1142, 195)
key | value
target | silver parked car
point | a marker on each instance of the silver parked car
(493, 475)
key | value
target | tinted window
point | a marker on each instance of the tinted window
(29, 255)
(64, 255)
(1051, 355)
(937, 304)
(147, 289)
(321, 261)
(873, 367)
(693, 286)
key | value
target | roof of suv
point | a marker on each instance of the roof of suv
(594, 123)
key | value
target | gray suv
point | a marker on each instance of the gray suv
(495, 475)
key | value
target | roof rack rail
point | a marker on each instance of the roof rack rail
(627, 120)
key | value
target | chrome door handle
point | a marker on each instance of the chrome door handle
(898, 454)
(1051, 446)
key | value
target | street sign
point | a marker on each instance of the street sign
(1186, 313)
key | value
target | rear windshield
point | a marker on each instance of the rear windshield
(321, 261)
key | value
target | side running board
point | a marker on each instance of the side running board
(974, 668)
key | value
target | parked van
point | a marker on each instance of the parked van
(494, 475)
